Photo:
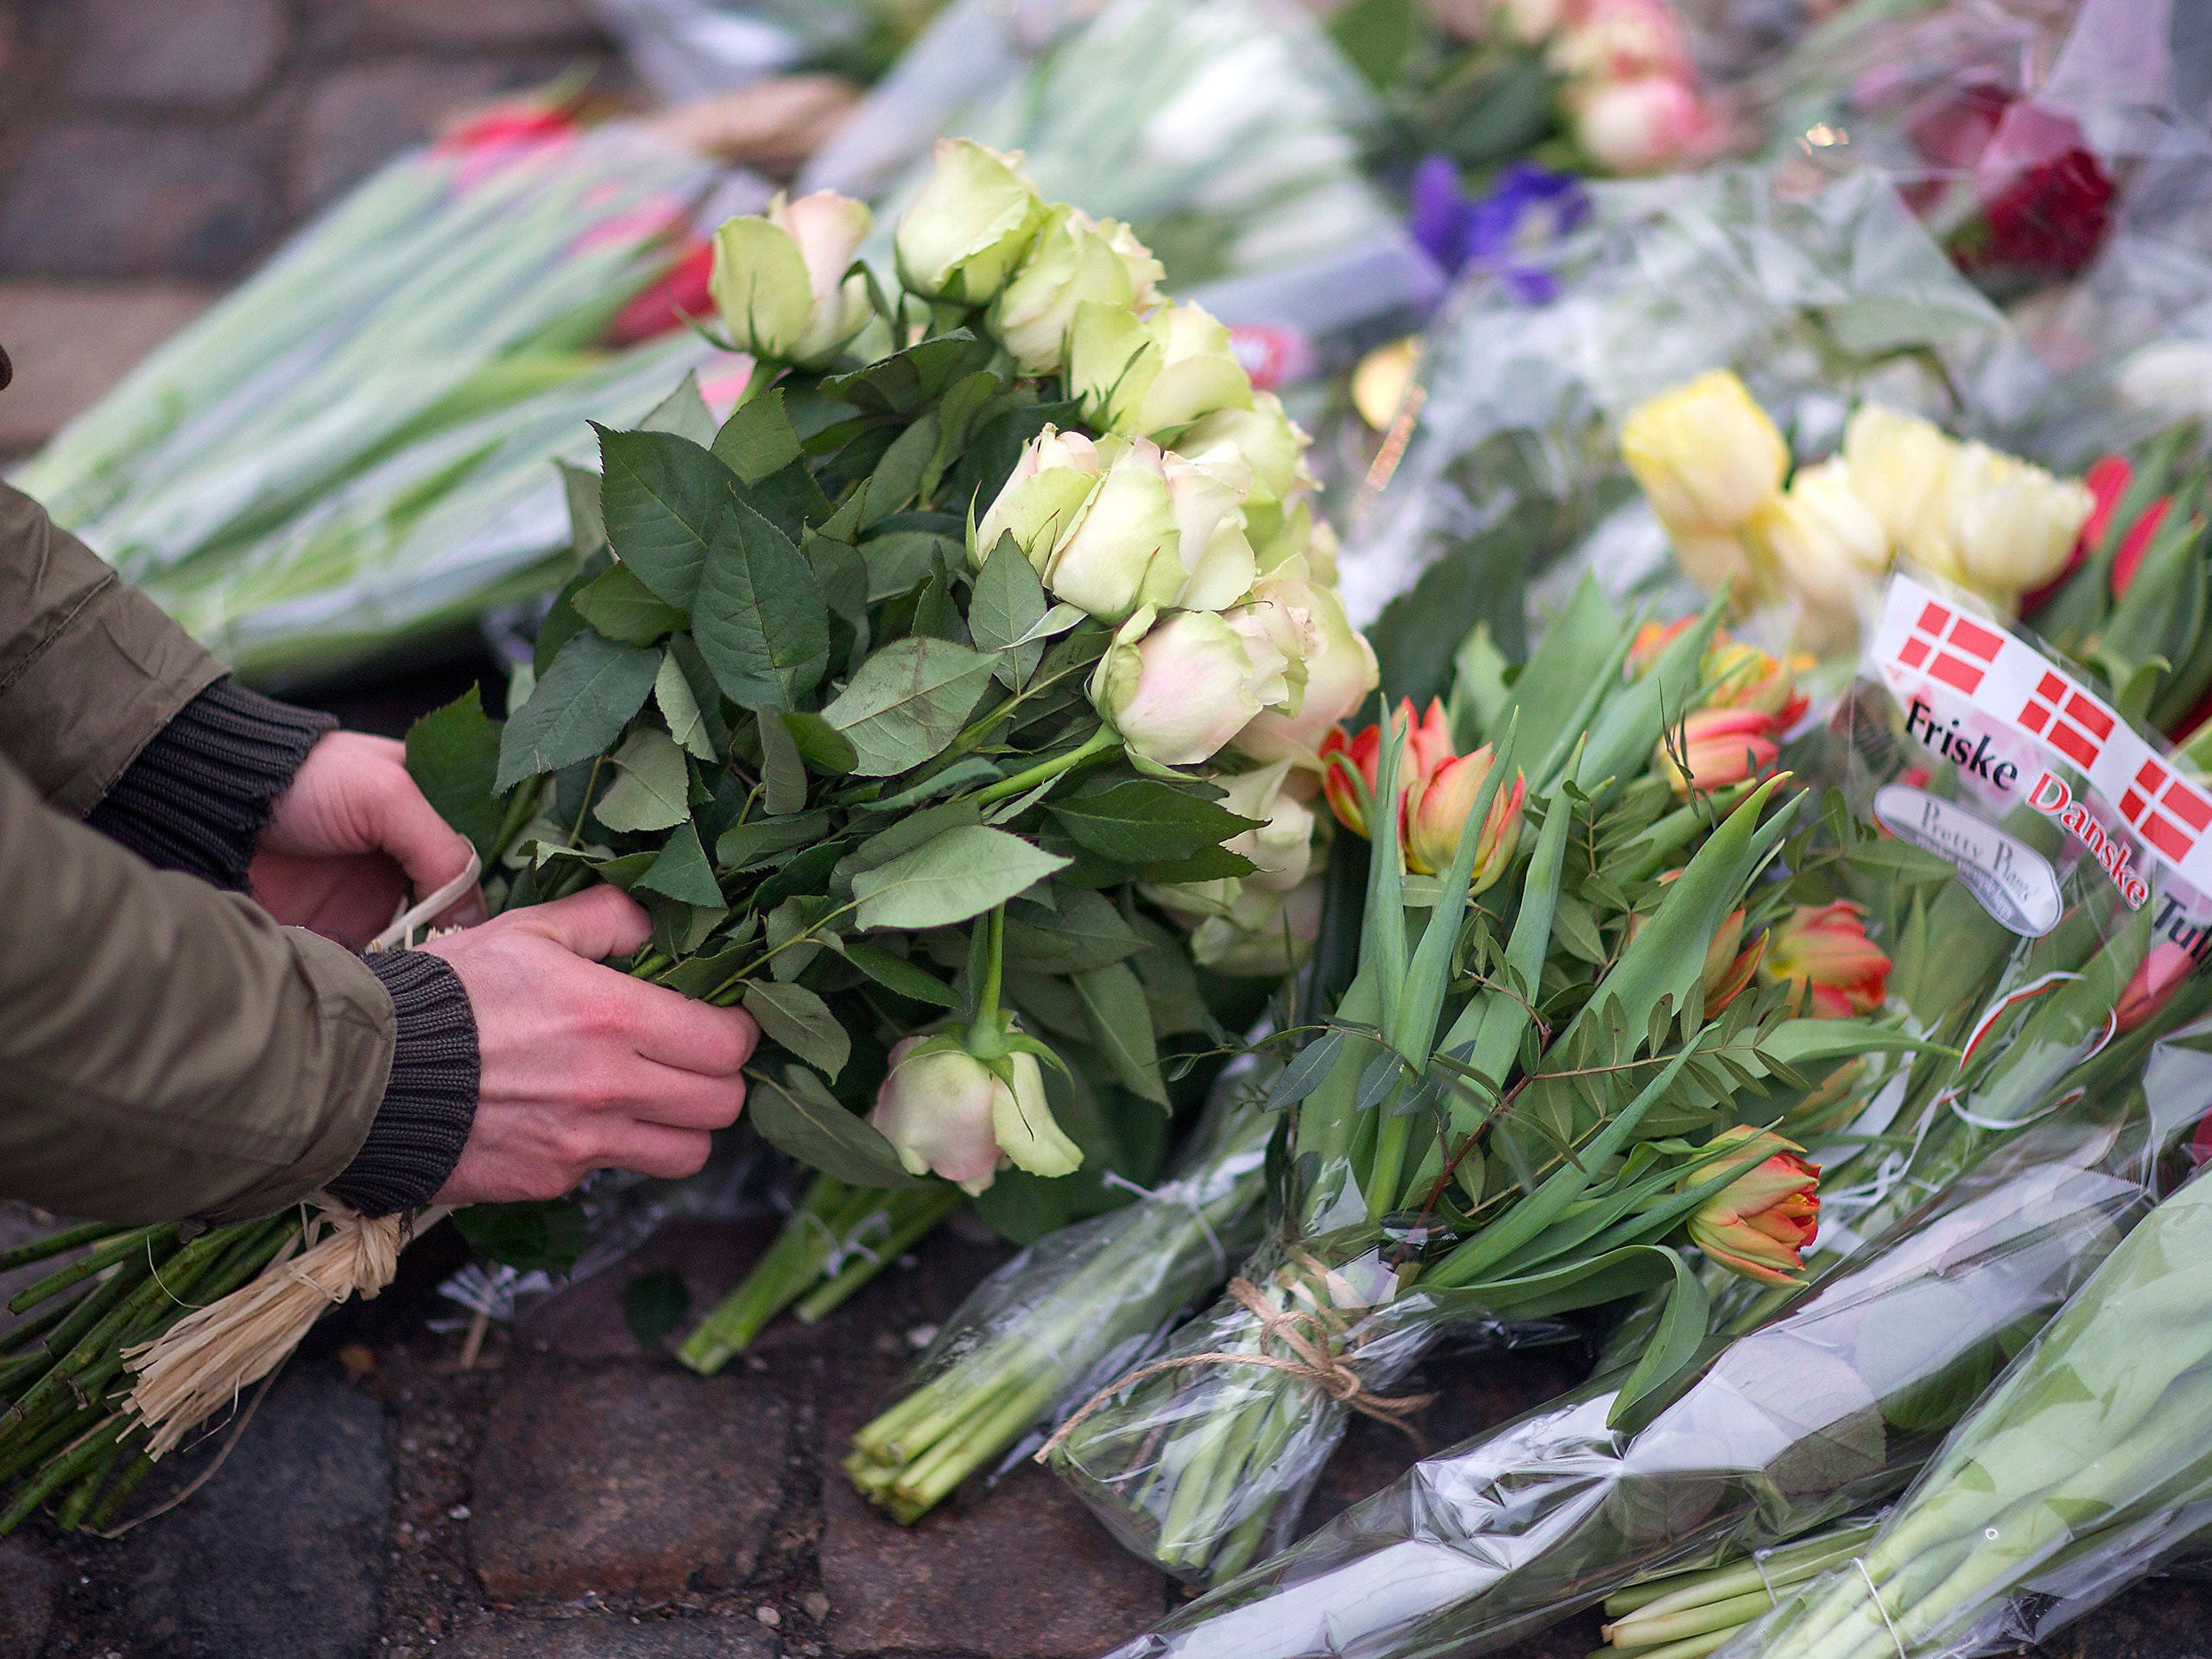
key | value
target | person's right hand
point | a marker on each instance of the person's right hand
(583, 1068)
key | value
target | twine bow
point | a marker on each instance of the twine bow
(1310, 1333)
(206, 1360)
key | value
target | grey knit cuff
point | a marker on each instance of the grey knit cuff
(198, 794)
(430, 1100)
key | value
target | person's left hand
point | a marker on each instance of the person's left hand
(350, 838)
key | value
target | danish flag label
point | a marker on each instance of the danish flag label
(1973, 691)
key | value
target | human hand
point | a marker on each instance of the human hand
(581, 1066)
(349, 837)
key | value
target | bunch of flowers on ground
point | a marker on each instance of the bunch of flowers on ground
(894, 788)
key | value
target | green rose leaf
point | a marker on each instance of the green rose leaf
(654, 792)
(654, 1306)
(903, 382)
(665, 499)
(1087, 932)
(683, 412)
(759, 620)
(1003, 613)
(958, 876)
(744, 846)
(623, 608)
(906, 702)
(1121, 1024)
(578, 707)
(537, 1236)
(452, 754)
(587, 526)
(682, 872)
(896, 974)
(795, 1019)
(900, 560)
(798, 1115)
(820, 744)
(679, 706)
(758, 438)
(1146, 821)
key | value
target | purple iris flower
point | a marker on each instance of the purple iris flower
(1506, 231)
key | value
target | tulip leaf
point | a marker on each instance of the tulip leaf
(798, 1114)
(1121, 1024)
(758, 438)
(654, 792)
(578, 707)
(452, 754)
(682, 872)
(1146, 821)
(794, 1018)
(760, 620)
(906, 702)
(666, 500)
(954, 877)
(1674, 1349)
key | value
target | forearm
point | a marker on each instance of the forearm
(169, 1050)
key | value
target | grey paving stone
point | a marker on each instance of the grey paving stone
(70, 343)
(280, 1552)
(359, 117)
(197, 54)
(480, 23)
(632, 1483)
(737, 1637)
(27, 1587)
(105, 199)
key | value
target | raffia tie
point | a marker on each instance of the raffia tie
(206, 1360)
(1309, 1333)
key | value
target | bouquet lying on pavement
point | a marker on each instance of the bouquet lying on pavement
(2080, 1472)
(1076, 1308)
(1479, 1547)
(1521, 1113)
(349, 452)
(2036, 888)
(889, 699)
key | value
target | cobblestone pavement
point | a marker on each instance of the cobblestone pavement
(572, 1494)
(569, 1495)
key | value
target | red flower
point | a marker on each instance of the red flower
(2108, 479)
(2046, 200)
(1722, 746)
(2153, 985)
(1822, 952)
(672, 302)
(1428, 746)
(1761, 1222)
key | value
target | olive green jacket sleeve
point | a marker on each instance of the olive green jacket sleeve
(166, 1048)
(90, 668)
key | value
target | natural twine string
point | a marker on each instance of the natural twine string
(1307, 1333)
(206, 1360)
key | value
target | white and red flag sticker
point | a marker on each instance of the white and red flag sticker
(1929, 642)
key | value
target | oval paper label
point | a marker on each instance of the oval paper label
(2014, 883)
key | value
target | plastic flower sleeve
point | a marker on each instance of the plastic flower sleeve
(1135, 111)
(1823, 1411)
(2033, 927)
(2083, 1471)
(350, 451)
(1068, 1312)
(1507, 458)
